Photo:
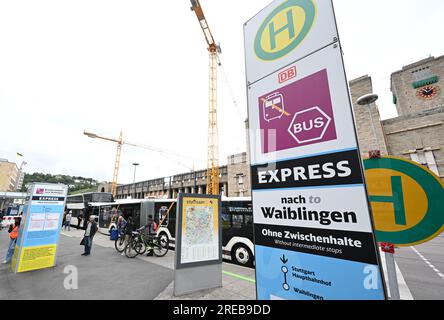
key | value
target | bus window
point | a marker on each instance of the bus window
(249, 220)
(226, 221)
(163, 211)
(238, 221)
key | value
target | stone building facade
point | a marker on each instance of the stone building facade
(9, 174)
(416, 134)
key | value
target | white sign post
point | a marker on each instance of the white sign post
(314, 235)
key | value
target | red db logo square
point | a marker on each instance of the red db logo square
(287, 74)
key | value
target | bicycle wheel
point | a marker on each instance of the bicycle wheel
(120, 244)
(160, 247)
(140, 246)
(130, 248)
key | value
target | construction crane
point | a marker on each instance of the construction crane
(120, 142)
(213, 143)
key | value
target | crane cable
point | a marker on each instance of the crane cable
(230, 89)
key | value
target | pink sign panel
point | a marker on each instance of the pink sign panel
(297, 115)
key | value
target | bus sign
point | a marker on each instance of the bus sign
(312, 222)
(407, 201)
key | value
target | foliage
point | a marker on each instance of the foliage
(75, 183)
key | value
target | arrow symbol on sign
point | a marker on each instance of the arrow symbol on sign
(284, 260)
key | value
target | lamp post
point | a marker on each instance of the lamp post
(135, 164)
(367, 100)
(387, 248)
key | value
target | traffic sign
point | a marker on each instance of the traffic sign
(387, 247)
(407, 201)
(286, 31)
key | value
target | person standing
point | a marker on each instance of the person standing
(64, 219)
(79, 220)
(150, 231)
(130, 227)
(68, 218)
(13, 235)
(2, 214)
(90, 232)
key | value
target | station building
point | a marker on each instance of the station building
(416, 134)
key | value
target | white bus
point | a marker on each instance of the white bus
(237, 223)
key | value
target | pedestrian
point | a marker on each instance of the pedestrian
(150, 231)
(121, 224)
(79, 220)
(68, 218)
(90, 232)
(64, 219)
(13, 235)
(130, 227)
(2, 214)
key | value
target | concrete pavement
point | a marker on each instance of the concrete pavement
(238, 282)
(108, 275)
(103, 275)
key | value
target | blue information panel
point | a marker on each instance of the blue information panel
(38, 239)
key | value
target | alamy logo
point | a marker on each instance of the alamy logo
(284, 29)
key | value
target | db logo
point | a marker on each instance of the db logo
(309, 125)
(287, 75)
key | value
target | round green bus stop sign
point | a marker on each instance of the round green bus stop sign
(407, 201)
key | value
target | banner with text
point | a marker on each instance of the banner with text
(313, 230)
(42, 219)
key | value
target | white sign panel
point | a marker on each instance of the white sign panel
(306, 115)
(286, 31)
(319, 208)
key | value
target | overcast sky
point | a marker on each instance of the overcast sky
(141, 67)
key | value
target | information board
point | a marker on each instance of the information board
(198, 247)
(314, 235)
(39, 233)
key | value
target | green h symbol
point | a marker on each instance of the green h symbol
(397, 199)
(289, 26)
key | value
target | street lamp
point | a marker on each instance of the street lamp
(367, 100)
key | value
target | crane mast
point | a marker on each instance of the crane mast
(117, 165)
(213, 132)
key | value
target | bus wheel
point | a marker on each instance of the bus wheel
(242, 255)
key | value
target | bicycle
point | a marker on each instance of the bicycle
(141, 243)
(119, 243)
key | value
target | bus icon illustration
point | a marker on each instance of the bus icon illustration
(273, 106)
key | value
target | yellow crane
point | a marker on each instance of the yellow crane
(213, 143)
(120, 142)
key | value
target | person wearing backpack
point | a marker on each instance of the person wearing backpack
(150, 230)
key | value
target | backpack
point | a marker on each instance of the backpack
(152, 228)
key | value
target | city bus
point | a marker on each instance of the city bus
(237, 223)
(88, 204)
